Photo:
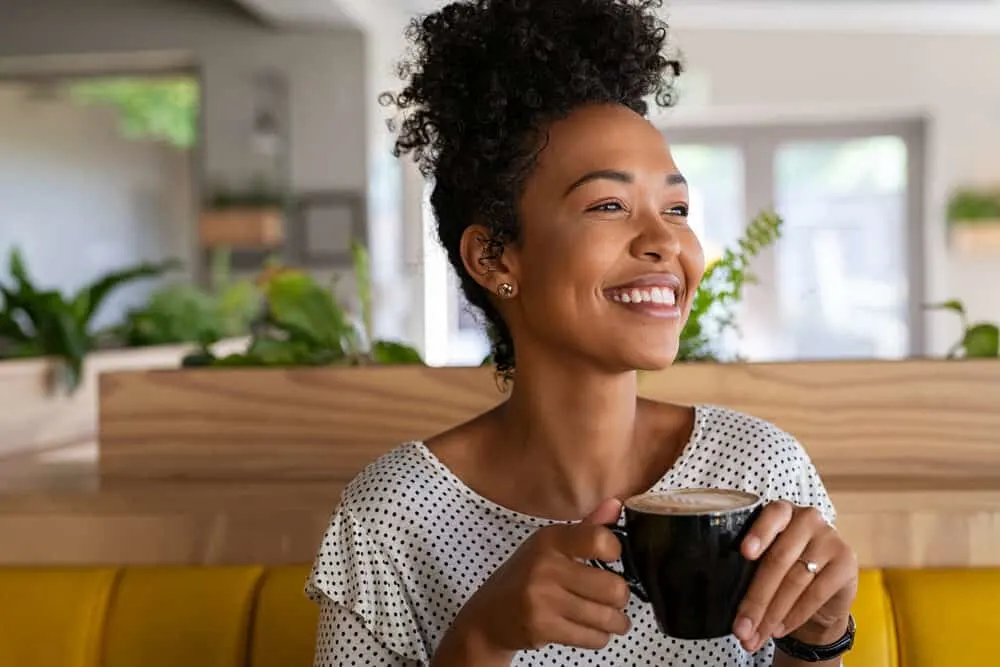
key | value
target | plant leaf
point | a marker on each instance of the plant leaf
(953, 305)
(198, 359)
(60, 333)
(11, 329)
(363, 282)
(298, 304)
(390, 352)
(19, 272)
(721, 290)
(982, 341)
(89, 299)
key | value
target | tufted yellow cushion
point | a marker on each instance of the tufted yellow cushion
(946, 617)
(213, 616)
(53, 616)
(284, 624)
(875, 643)
(181, 616)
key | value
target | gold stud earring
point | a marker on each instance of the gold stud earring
(505, 290)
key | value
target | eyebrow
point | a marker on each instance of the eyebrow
(619, 177)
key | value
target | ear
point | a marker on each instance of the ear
(484, 260)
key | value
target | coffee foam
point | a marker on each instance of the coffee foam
(691, 501)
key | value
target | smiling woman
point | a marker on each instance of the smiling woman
(565, 217)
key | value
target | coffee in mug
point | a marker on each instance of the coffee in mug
(681, 553)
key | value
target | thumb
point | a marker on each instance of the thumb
(606, 512)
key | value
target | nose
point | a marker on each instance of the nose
(657, 240)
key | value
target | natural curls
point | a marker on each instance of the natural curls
(485, 79)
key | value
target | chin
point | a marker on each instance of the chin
(652, 360)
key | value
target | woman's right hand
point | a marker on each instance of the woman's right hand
(544, 594)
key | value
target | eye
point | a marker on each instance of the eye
(681, 210)
(607, 207)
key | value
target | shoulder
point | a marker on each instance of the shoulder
(396, 479)
(736, 432)
(354, 568)
(375, 509)
(733, 448)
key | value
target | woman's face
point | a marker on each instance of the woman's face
(606, 265)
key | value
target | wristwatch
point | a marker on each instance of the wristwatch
(811, 653)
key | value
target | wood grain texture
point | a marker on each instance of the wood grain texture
(38, 415)
(292, 423)
(928, 419)
(278, 523)
(922, 420)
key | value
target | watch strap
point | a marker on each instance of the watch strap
(814, 653)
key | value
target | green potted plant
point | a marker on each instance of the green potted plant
(187, 313)
(713, 311)
(974, 220)
(307, 358)
(303, 324)
(979, 340)
(36, 322)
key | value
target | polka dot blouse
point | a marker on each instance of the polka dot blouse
(410, 543)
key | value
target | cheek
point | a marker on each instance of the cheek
(692, 260)
(570, 263)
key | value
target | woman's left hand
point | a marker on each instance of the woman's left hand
(788, 595)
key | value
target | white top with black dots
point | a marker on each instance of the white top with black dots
(410, 543)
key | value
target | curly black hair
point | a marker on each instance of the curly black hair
(485, 79)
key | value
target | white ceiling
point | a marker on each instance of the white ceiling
(925, 16)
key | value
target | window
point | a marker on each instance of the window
(845, 279)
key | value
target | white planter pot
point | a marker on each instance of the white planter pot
(38, 416)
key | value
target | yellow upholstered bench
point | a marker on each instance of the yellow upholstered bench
(251, 616)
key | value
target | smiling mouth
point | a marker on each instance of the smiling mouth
(654, 301)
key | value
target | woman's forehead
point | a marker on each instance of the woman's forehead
(602, 137)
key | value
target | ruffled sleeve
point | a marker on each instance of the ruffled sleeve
(352, 570)
(799, 482)
(811, 492)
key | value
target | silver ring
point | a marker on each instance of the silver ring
(811, 566)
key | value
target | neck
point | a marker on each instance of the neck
(577, 428)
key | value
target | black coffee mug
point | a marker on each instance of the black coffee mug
(681, 554)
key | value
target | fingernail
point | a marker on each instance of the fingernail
(743, 628)
(779, 631)
(753, 546)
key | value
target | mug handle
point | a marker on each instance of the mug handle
(628, 565)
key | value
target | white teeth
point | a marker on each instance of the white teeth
(660, 295)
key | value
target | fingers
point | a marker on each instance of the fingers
(838, 574)
(590, 614)
(576, 605)
(773, 519)
(587, 542)
(797, 582)
(604, 588)
(780, 579)
(606, 512)
(567, 633)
